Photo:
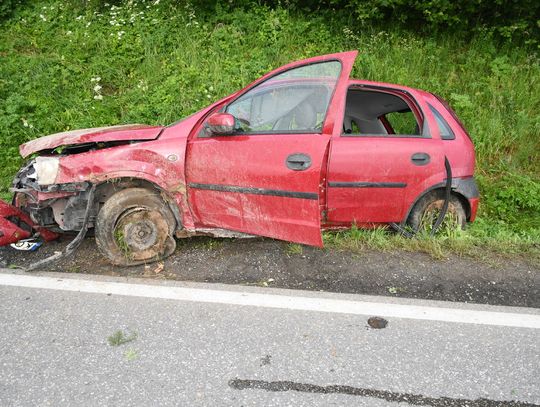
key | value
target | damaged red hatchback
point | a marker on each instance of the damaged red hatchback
(303, 148)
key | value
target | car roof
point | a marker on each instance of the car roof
(384, 84)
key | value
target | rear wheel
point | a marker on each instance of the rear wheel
(426, 212)
(135, 226)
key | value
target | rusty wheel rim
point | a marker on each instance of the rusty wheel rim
(431, 214)
(141, 234)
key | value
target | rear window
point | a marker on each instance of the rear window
(444, 127)
(451, 111)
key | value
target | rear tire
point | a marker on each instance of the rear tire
(135, 226)
(426, 211)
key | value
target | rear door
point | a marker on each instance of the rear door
(375, 178)
(266, 178)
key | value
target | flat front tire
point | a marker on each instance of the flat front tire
(135, 226)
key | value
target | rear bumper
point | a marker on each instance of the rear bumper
(468, 188)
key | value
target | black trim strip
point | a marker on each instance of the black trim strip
(338, 184)
(255, 191)
(387, 136)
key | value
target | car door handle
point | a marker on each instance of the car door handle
(298, 162)
(420, 158)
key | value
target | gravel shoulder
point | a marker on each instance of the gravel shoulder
(266, 262)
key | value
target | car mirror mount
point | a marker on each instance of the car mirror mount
(221, 124)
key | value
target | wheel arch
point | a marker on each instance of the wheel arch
(440, 187)
(106, 188)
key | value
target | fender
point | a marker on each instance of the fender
(160, 163)
(176, 200)
(466, 187)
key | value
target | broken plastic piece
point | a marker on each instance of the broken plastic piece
(70, 248)
(16, 225)
(29, 245)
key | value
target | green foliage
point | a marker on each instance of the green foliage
(513, 199)
(294, 249)
(87, 63)
(119, 338)
(507, 18)
(7, 7)
(504, 19)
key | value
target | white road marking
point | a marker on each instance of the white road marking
(298, 303)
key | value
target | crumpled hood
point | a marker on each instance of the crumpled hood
(95, 135)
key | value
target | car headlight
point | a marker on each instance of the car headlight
(46, 170)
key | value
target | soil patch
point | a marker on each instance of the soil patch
(267, 262)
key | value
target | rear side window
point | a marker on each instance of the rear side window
(379, 113)
(454, 115)
(444, 127)
(403, 122)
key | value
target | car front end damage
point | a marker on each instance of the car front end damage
(16, 225)
(49, 203)
(39, 206)
(57, 207)
(43, 209)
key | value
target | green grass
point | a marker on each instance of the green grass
(131, 354)
(120, 240)
(120, 338)
(294, 249)
(482, 241)
(212, 244)
(157, 63)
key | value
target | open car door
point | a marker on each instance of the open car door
(266, 178)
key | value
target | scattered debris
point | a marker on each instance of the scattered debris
(159, 268)
(29, 245)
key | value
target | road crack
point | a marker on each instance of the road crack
(411, 399)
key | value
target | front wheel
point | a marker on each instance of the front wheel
(135, 226)
(426, 212)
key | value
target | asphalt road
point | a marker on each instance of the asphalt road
(195, 346)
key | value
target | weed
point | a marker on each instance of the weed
(212, 244)
(74, 269)
(131, 354)
(395, 290)
(294, 249)
(120, 338)
(121, 243)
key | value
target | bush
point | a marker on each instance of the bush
(7, 7)
(507, 19)
(512, 198)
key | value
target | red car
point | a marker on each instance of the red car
(303, 148)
